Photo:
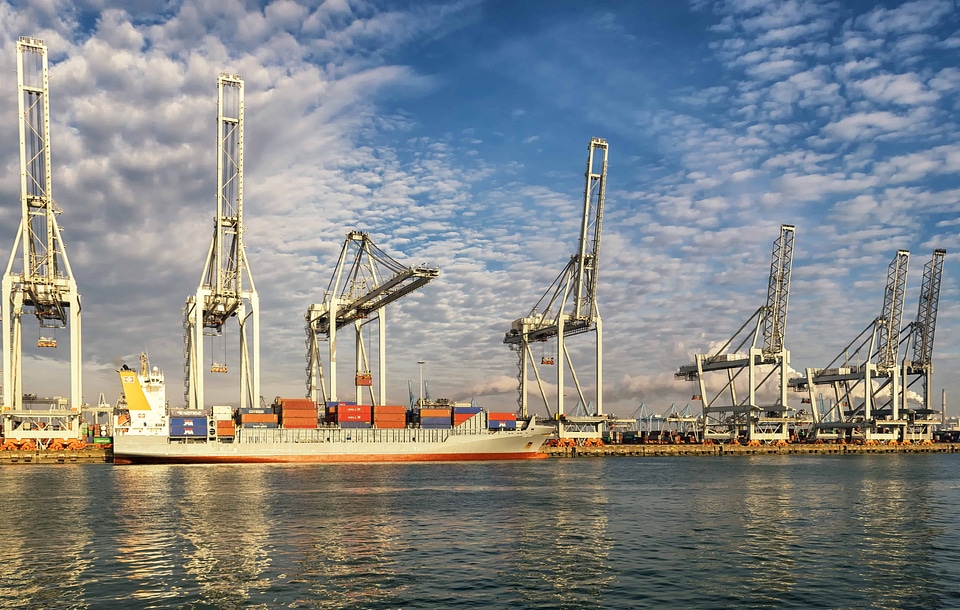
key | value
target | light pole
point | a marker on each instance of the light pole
(421, 363)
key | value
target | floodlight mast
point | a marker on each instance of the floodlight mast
(226, 288)
(45, 285)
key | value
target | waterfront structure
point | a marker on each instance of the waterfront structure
(364, 282)
(226, 287)
(38, 279)
(726, 413)
(569, 307)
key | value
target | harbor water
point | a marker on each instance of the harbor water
(824, 531)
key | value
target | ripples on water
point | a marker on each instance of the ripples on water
(766, 531)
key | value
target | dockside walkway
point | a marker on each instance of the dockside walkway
(741, 450)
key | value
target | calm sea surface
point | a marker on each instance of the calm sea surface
(876, 531)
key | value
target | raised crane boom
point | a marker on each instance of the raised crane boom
(355, 292)
(925, 326)
(569, 306)
(891, 318)
(725, 414)
(226, 287)
(44, 284)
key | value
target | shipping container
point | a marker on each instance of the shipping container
(387, 425)
(189, 422)
(102, 440)
(299, 422)
(257, 418)
(465, 410)
(222, 411)
(445, 412)
(390, 409)
(249, 425)
(459, 418)
(255, 411)
(501, 425)
(355, 424)
(185, 413)
(188, 431)
(443, 426)
(296, 404)
(435, 422)
(502, 416)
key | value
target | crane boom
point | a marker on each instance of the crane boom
(44, 284)
(891, 317)
(778, 291)
(925, 326)
(354, 293)
(226, 287)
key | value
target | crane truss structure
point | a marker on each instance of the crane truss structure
(38, 279)
(919, 369)
(865, 376)
(569, 307)
(725, 414)
(226, 287)
(357, 295)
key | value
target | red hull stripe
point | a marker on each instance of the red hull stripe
(325, 459)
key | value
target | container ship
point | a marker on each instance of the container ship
(296, 430)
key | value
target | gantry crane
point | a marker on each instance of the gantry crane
(226, 287)
(865, 376)
(372, 281)
(569, 307)
(38, 279)
(919, 336)
(725, 415)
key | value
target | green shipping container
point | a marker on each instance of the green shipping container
(102, 440)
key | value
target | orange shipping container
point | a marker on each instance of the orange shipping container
(296, 403)
(435, 412)
(258, 418)
(390, 409)
(459, 418)
(502, 416)
(299, 421)
(390, 425)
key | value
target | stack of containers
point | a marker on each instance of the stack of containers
(385, 416)
(502, 421)
(223, 420)
(354, 416)
(331, 415)
(258, 417)
(297, 413)
(436, 418)
(462, 414)
(188, 423)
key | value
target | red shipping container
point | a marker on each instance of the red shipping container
(390, 409)
(459, 418)
(502, 416)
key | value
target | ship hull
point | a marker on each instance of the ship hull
(334, 445)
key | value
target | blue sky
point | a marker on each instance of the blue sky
(455, 133)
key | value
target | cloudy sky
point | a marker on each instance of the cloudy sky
(455, 134)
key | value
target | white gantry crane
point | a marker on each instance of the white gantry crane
(372, 281)
(919, 368)
(569, 307)
(226, 287)
(727, 415)
(38, 279)
(865, 376)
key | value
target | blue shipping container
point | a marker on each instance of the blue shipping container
(501, 425)
(434, 420)
(470, 410)
(189, 422)
(187, 431)
(258, 425)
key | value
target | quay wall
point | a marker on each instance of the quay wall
(735, 450)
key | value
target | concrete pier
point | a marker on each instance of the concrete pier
(734, 450)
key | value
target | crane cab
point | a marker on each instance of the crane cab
(47, 342)
(218, 367)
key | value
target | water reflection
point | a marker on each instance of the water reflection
(47, 538)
